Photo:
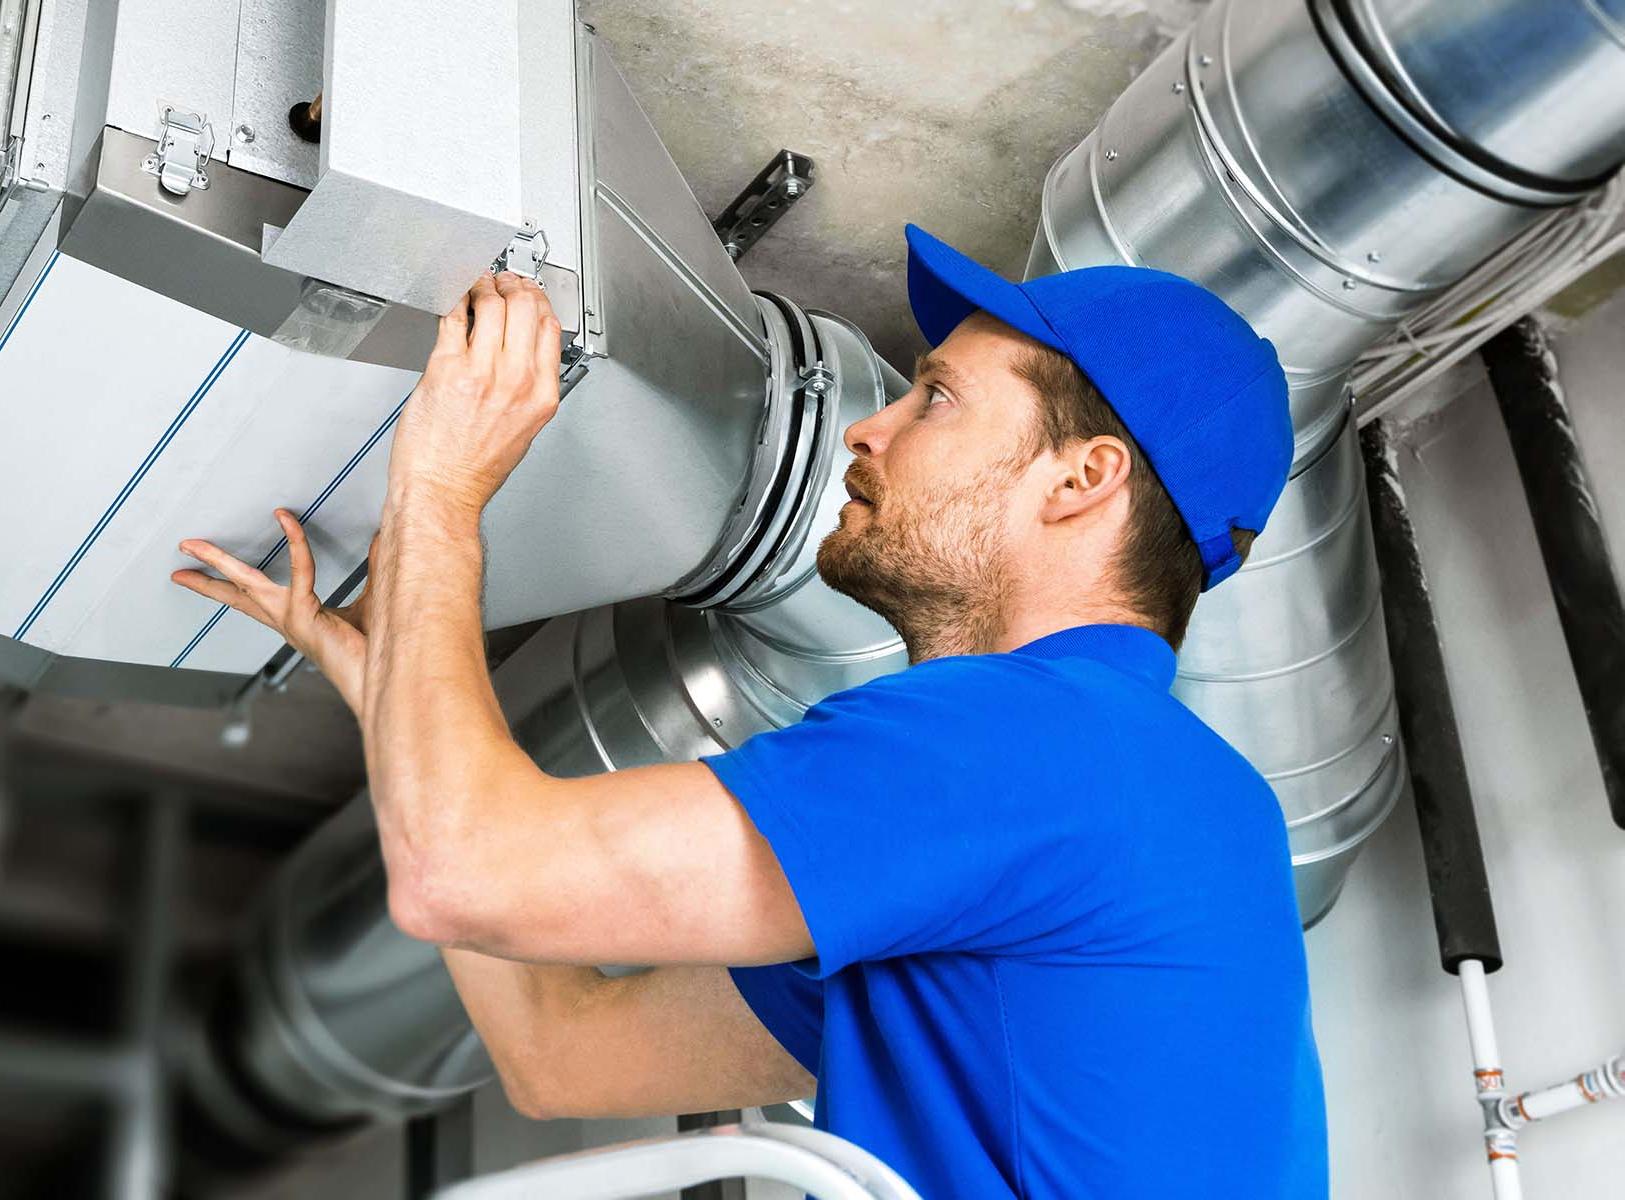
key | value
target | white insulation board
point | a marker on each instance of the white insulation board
(128, 422)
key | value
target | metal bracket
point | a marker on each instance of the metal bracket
(185, 142)
(787, 177)
(526, 254)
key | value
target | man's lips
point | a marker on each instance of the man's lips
(853, 493)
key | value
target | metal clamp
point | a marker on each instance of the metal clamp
(787, 177)
(526, 253)
(185, 142)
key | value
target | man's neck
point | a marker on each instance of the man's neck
(931, 635)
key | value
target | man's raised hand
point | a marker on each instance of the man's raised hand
(332, 638)
(491, 384)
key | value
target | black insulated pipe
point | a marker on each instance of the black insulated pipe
(1463, 914)
(1523, 373)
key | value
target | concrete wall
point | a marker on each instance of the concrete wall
(1399, 1078)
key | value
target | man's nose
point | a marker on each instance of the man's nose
(868, 437)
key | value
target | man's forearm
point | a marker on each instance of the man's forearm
(431, 723)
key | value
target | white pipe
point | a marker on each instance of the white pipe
(1606, 1082)
(1500, 1143)
(821, 1164)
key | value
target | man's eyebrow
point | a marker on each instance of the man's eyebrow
(930, 364)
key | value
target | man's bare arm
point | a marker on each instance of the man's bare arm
(569, 1042)
(485, 851)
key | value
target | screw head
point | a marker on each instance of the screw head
(1111, 155)
(1373, 256)
(1349, 285)
(244, 134)
(1179, 86)
(1204, 60)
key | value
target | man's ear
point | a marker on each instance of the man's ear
(1087, 474)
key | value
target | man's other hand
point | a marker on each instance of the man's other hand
(332, 638)
(491, 384)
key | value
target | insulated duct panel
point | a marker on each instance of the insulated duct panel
(169, 424)
(659, 467)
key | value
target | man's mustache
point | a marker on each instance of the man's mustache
(862, 479)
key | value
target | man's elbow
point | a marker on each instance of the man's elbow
(429, 911)
(529, 1101)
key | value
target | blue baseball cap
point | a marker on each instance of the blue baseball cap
(1203, 395)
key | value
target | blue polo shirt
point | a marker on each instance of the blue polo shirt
(1058, 950)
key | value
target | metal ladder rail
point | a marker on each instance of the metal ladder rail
(821, 1164)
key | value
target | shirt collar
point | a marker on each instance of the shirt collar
(1128, 648)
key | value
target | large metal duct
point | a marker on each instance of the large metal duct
(685, 452)
(1327, 167)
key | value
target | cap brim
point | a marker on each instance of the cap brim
(945, 287)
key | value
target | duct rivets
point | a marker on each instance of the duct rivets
(1387, 739)
(1204, 60)
(1111, 155)
(1373, 256)
(1179, 86)
(1349, 285)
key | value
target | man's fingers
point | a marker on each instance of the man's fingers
(490, 315)
(519, 332)
(235, 569)
(452, 336)
(548, 347)
(222, 591)
(301, 564)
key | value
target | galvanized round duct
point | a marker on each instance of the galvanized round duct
(1255, 156)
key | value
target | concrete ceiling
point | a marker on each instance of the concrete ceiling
(947, 113)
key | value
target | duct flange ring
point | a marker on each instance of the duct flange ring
(1453, 154)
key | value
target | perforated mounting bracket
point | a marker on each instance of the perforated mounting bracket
(787, 177)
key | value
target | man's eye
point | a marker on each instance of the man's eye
(935, 396)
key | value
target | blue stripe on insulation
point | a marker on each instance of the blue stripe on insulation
(16, 317)
(128, 489)
(310, 511)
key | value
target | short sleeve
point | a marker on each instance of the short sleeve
(790, 1004)
(928, 811)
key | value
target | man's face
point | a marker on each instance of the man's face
(929, 533)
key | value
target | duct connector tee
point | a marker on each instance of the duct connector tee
(1254, 157)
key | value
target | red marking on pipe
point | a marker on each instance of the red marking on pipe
(1591, 1097)
(1507, 1154)
(1523, 1112)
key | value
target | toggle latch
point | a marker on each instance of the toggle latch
(525, 255)
(185, 142)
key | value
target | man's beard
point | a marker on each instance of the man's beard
(937, 570)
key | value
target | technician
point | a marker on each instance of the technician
(1027, 923)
